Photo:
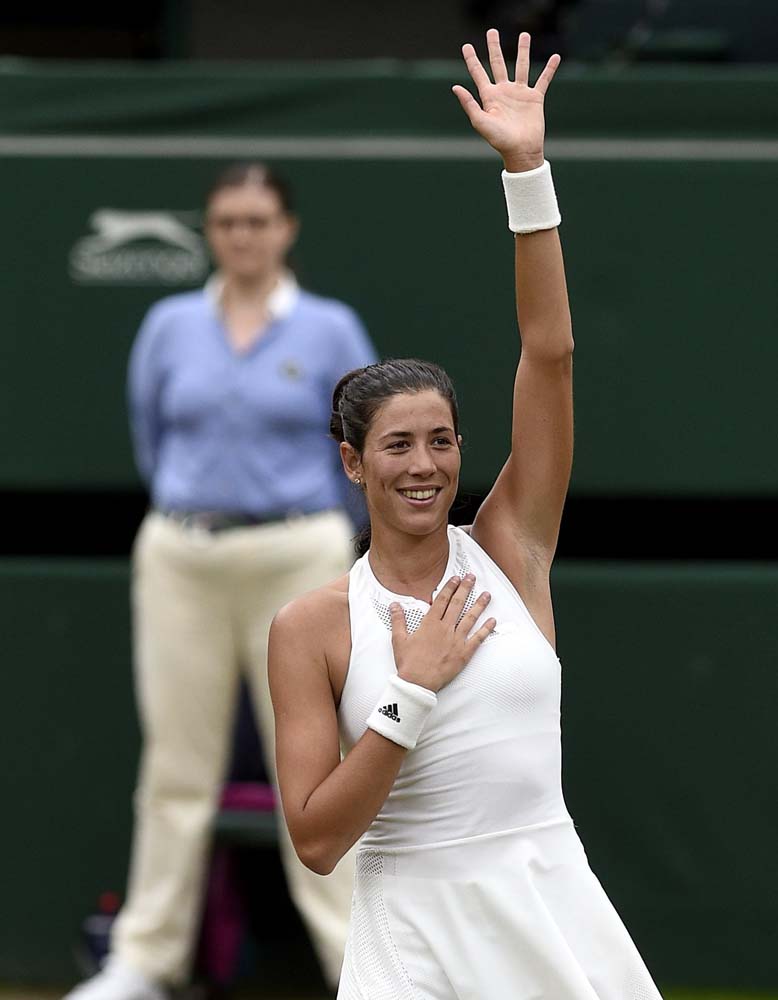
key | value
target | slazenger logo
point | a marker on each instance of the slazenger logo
(139, 248)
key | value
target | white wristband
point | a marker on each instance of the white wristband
(531, 200)
(402, 711)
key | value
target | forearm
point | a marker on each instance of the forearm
(329, 803)
(542, 305)
(343, 806)
(345, 803)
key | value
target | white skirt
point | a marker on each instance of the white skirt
(517, 915)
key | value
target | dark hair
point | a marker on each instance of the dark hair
(259, 174)
(362, 392)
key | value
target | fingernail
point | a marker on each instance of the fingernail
(470, 577)
(486, 595)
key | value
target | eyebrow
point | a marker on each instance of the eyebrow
(409, 434)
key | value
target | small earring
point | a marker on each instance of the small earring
(357, 481)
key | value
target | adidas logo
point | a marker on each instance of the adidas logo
(390, 711)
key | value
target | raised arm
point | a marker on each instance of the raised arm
(526, 501)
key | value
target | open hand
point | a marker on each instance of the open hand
(442, 644)
(510, 115)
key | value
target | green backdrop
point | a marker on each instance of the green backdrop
(669, 243)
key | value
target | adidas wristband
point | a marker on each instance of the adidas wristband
(402, 711)
(531, 200)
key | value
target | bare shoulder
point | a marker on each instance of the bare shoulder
(314, 630)
(314, 609)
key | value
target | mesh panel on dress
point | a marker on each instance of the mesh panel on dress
(415, 616)
(373, 969)
(640, 986)
(627, 980)
(468, 604)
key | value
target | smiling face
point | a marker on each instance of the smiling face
(249, 232)
(410, 463)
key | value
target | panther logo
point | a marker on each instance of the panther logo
(139, 247)
(115, 227)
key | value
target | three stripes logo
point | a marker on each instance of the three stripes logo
(390, 711)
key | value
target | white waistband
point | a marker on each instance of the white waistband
(563, 822)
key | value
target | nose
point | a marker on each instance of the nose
(422, 462)
(241, 231)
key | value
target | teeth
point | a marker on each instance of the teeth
(418, 494)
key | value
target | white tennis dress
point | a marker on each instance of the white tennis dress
(471, 882)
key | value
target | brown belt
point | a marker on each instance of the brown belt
(214, 521)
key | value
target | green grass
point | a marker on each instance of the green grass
(715, 995)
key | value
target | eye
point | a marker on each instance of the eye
(442, 441)
(397, 445)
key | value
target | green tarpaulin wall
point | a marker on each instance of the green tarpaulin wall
(667, 188)
(670, 687)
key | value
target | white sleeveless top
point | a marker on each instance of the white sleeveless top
(489, 756)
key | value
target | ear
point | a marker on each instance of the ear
(459, 440)
(352, 461)
(293, 230)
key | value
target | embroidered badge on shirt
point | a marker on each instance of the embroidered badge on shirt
(291, 370)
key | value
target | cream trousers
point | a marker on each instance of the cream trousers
(202, 608)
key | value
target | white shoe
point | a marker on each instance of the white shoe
(118, 981)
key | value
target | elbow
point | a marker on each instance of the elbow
(320, 866)
(319, 855)
(551, 350)
(562, 350)
(318, 858)
(557, 356)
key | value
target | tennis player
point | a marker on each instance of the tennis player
(434, 661)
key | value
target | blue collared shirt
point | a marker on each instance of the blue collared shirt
(218, 430)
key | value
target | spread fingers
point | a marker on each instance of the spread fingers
(480, 634)
(472, 616)
(496, 58)
(458, 599)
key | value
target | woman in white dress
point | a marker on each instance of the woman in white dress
(433, 661)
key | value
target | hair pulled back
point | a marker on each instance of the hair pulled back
(258, 174)
(362, 392)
